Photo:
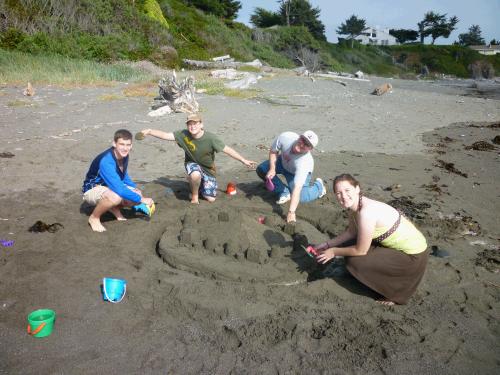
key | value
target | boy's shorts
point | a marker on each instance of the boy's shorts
(208, 186)
(94, 195)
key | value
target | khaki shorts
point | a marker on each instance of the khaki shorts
(94, 195)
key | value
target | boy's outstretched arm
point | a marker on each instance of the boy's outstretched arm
(235, 155)
(159, 134)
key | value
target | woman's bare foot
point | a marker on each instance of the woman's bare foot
(117, 213)
(385, 302)
(96, 225)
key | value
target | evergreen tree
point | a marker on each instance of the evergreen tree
(473, 37)
(436, 25)
(301, 13)
(227, 9)
(404, 35)
(353, 27)
(265, 18)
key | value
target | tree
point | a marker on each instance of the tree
(436, 25)
(227, 9)
(495, 42)
(473, 37)
(353, 27)
(404, 35)
(301, 13)
(265, 18)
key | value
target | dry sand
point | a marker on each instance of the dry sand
(213, 291)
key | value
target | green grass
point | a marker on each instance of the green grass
(19, 67)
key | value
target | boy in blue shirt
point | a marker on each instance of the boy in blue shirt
(107, 185)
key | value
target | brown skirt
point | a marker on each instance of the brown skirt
(391, 273)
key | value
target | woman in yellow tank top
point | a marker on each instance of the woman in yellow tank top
(382, 248)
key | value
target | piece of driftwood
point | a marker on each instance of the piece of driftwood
(346, 76)
(29, 90)
(199, 64)
(178, 96)
(329, 76)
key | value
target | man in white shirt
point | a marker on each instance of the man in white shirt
(290, 156)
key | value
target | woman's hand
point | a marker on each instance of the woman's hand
(325, 255)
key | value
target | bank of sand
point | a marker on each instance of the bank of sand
(212, 291)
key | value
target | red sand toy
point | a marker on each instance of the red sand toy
(311, 251)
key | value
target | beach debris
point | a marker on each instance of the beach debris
(331, 78)
(229, 73)
(224, 64)
(166, 110)
(382, 89)
(244, 83)
(394, 187)
(29, 90)
(481, 125)
(6, 155)
(344, 76)
(222, 58)
(480, 146)
(440, 253)
(261, 219)
(409, 208)
(139, 136)
(496, 140)
(6, 243)
(40, 226)
(463, 224)
(359, 74)
(489, 259)
(450, 167)
(176, 96)
(435, 188)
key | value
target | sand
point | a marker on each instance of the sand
(213, 291)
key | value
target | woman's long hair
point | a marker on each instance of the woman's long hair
(349, 178)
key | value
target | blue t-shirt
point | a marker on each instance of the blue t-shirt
(104, 171)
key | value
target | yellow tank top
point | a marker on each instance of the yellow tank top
(407, 238)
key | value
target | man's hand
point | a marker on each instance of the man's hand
(271, 174)
(250, 163)
(291, 217)
(147, 201)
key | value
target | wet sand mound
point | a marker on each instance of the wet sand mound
(232, 244)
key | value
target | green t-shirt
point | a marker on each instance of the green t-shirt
(201, 151)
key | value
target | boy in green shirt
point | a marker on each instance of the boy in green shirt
(199, 148)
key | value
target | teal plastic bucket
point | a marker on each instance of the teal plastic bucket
(41, 322)
(113, 290)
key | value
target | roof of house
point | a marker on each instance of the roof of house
(486, 47)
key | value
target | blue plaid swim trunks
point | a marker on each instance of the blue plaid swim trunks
(208, 186)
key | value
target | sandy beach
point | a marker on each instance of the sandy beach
(210, 290)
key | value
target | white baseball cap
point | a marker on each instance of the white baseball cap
(310, 137)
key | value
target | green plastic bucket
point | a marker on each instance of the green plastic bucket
(41, 322)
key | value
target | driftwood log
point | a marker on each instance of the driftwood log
(230, 63)
(179, 96)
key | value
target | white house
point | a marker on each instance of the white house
(374, 35)
(486, 50)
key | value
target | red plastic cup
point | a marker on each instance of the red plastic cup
(231, 189)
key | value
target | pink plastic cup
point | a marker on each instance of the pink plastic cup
(269, 184)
